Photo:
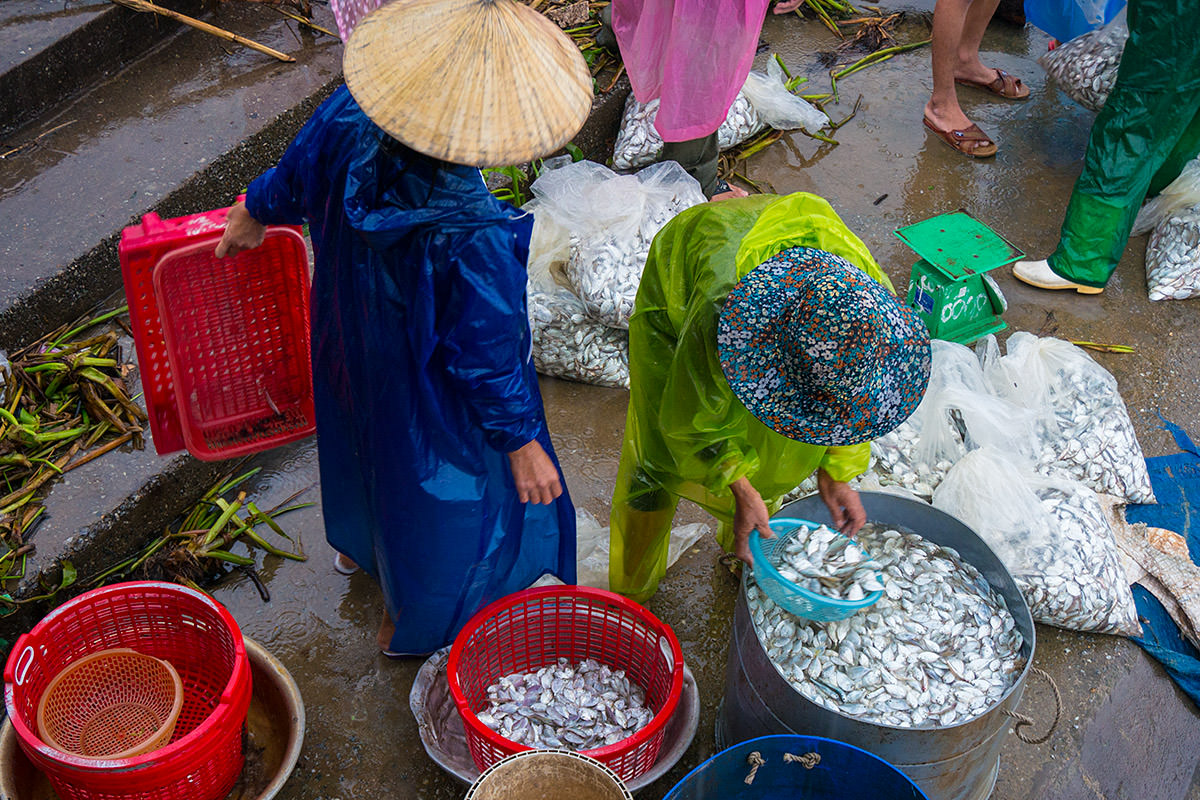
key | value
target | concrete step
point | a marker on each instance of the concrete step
(53, 54)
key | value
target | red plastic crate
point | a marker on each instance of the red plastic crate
(534, 628)
(196, 635)
(223, 344)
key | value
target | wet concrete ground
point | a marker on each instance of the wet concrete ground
(1126, 731)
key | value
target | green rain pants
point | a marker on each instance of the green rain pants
(1140, 141)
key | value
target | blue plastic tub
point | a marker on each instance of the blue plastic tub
(843, 773)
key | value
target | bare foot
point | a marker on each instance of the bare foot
(387, 629)
(734, 191)
(787, 6)
(947, 118)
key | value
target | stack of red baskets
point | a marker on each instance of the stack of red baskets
(526, 631)
(184, 627)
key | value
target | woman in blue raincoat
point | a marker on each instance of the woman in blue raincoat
(437, 473)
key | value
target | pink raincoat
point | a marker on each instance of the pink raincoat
(349, 13)
(693, 55)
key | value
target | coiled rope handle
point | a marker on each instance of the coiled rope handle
(755, 760)
(1024, 721)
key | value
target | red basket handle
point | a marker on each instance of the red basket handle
(16, 669)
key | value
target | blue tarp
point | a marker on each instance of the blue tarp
(1176, 482)
(1066, 19)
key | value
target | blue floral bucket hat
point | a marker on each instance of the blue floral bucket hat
(820, 352)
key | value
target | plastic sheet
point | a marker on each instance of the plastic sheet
(422, 372)
(1066, 20)
(779, 108)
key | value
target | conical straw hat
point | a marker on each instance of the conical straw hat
(481, 82)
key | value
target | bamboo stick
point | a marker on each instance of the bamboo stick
(146, 6)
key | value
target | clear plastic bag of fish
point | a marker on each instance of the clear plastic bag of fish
(1052, 535)
(957, 413)
(1083, 427)
(612, 219)
(569, 344)
(1173, 257)
(1086, 66)
(1172, 218)
(938, 648)
(638, 142)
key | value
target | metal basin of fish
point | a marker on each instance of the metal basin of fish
(952, 762)
(442, 733)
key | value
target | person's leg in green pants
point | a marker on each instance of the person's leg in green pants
(642, 512)
(1148, 129)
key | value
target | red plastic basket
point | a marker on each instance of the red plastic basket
(526, 631)
(223, 344)
(184, 627)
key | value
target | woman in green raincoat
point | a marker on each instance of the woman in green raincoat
(765, 345)
(1147, 131)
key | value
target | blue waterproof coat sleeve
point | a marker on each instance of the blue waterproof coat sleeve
(421, 370)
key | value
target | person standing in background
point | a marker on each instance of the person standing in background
(958, 28)
(693, 56)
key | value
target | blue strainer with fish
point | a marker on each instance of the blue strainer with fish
(807, 568)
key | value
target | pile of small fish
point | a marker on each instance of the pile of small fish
(638, 143)
(827, 563)
(1075, 580)
(605, 266)
(1173, 257)
(894, 457)
(569, 344)
(939, 648)
(1086, 66)
(1092, 438)
(576, 707)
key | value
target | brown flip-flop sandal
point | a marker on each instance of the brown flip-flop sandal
(1004, 85)
(971, 141)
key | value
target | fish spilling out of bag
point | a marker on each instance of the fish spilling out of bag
(939, 648)
(573, 706)
(1173, 257)
(895, 456)
(827, 563)
(567, 343)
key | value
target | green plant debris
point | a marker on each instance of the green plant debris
(201, 544)
(63, 403)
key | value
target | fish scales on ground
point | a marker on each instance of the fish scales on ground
(567, 343)
(939, 648)
(828, 563)
(1173, 257)
(639, 144)
(563, 705)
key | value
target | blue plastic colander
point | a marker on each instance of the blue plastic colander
(791, 597)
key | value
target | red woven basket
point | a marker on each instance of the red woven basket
(526, 631)
(237, 336)
(202, 642)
